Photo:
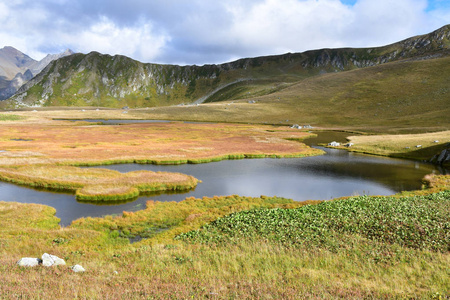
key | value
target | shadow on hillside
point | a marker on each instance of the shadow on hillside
(424, 153)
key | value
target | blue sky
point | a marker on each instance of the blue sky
(204, 31)
(438, 5)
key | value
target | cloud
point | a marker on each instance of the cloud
(203, 31)
(106, 37)
(293, 26)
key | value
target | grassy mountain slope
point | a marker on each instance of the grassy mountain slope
(407, 95)
(115, 81)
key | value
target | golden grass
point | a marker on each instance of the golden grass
(402, 145)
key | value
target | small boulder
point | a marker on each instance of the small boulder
(29, 262)
(49, 260)
(77, 268)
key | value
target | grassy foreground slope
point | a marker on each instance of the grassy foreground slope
(354, 248)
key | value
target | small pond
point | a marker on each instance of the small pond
(336, 174)
(118, 122)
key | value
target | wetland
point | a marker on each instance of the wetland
(338, 173)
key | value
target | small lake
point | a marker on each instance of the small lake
(118, 122)
(336, 174)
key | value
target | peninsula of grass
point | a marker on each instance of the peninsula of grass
(97, 184)
(411, 146)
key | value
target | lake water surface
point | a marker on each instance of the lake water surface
(336, 174)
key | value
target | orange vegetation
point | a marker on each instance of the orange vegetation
(69, 143)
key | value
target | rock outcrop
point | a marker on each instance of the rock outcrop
(77, 268)
(442, 158)
(47, 260)
(29, 262)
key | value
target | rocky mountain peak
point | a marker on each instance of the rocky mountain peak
(40, 65)
(17, 68)
(12, 61)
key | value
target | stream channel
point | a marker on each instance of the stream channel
(337, 173)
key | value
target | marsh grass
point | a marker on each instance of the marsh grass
(97, 184)
(106, 193)
(157, 143)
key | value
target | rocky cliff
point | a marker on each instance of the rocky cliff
(95, 79)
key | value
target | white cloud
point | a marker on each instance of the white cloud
(275, 27)
(106, 37)
(291, 25)
(384, 21)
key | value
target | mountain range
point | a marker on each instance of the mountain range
(16, 68)
(101, 80)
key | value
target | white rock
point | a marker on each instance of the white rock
(334, 144)
(29, 262)
(49, 260)
(77, 268)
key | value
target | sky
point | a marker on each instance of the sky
(208, 31)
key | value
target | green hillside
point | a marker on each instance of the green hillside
(101, 80)
(413, 95)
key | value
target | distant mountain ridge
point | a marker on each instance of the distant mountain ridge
(95, 79)
(40, 65)
(12, 61)
(16, 68)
